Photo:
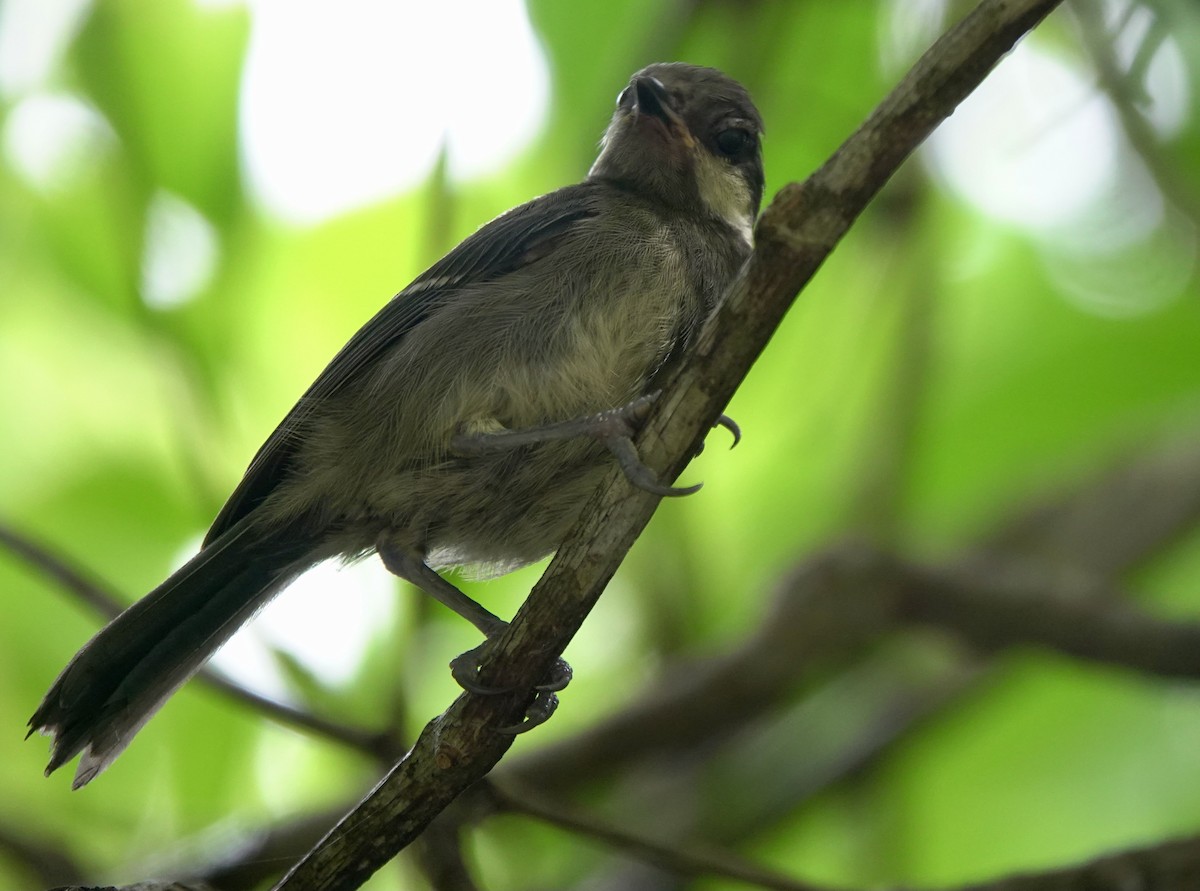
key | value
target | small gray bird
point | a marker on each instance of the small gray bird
(470, 419)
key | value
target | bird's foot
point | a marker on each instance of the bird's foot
(465, 671)
(614, 428)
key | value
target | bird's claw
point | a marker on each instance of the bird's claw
(464, 669)
(538, 712)
(729, 424)
(732, 426)
(639, 474)
(614, 428)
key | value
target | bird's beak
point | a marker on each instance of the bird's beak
(645, 125)
(651, 100)
(650, 97)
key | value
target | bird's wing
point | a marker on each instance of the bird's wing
(512, 240)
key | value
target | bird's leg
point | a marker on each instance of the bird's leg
(614, 428)
(413, 569)
(465, 668)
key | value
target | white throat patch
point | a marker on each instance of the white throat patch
(725, 193)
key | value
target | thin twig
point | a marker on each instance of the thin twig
(677, 857)
(1125, 92)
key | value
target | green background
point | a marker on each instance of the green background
(939, 376)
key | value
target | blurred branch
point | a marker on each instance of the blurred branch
(1112, 523)
(261, 854)
(241, 858)
(440, 854)
(44, 860)
(1170, 866)
(1118, 521)
(1126, 93)
(877, 499)
(677, 857)
(992, 604)
(60, 571)
(1164, 867)
(833, 605)
(839, 603)
(835, 736)
(83, 587)
(795, 235)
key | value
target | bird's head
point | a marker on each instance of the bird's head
(688, 137)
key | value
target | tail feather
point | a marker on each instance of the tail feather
(124, 674)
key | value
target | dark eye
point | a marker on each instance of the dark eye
(734, 142)
(623, 98)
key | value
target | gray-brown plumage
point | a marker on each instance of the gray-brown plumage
(561, 308)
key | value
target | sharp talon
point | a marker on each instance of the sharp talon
(638, 473)
(674, 491)
(538, 713)
(731, 425)
(644, 479)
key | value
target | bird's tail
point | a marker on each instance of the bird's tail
(126, 672)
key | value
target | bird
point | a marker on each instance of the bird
(468, 421)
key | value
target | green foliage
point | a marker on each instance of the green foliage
(941, 374)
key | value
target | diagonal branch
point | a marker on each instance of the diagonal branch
(795, 235)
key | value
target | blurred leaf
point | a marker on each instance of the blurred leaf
(166, 73)
(125, 425)
(304, 685)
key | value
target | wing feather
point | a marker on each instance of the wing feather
(523, 234)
